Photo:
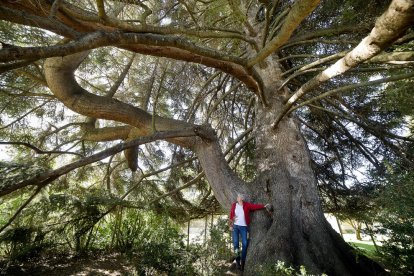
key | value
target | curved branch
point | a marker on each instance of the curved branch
(59, 74)
(97, 39)
(151, 44)
(111, 22)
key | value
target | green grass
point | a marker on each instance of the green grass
(369, 248)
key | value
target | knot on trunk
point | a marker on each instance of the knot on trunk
(206, 132)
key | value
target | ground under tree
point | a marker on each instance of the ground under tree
(271, 73)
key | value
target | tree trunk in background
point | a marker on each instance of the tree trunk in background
(358, 232)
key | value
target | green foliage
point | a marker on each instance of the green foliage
(396, 218)
(157, 241)
(65, 223)
(11, 173)
(22, 243)
(398, 97)
(280, 269)
(216, 250)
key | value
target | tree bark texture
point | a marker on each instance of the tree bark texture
(297, 232)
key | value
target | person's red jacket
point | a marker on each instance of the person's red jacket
(247, 207)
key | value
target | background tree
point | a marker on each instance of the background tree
(269, 81)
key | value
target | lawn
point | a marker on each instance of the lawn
(366, 249)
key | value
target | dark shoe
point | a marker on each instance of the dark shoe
(242, 266)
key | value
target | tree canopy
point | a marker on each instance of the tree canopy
(104, 100)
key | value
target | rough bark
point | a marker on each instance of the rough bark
(297, 232)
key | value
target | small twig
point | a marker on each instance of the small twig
(121, 78)
(55, 8)
(37, 150)
(24, 115)
(350, 87)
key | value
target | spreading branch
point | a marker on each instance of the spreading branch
(300, 10)
(45, 178)
(39, 151)
(352, 87)
(388, 28)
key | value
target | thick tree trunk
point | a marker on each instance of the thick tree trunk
(297, 231)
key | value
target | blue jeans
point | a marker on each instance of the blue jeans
(242, 231)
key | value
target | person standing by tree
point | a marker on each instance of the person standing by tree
(239, 224)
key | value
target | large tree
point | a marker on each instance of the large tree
(268, 79)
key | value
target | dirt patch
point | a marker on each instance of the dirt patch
(92, 264)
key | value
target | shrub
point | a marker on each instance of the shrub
(396, 219)
(22, 243)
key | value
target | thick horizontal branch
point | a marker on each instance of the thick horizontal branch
(151, 44)
(106, 134)
(101, 38)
